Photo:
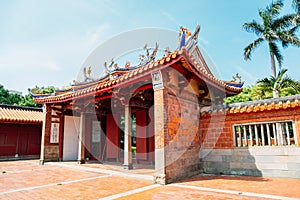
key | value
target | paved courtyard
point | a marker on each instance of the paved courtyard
(66, 180)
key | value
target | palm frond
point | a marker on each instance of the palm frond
(274, 8)
(296, 5)
(279, 79)
(289, 37)
(250, 48)
(264, 82)
(265, 18)
(275, 50)
(289, 82)
(253, 27)
(264, 86)
(285, 22)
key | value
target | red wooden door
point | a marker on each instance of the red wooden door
(112, 136)
(8, 139)
(141, 135)
(34, 139)
(151, 142)
(21, 139)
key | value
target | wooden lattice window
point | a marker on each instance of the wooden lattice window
(276, 133)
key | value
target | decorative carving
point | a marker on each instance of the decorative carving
(188, 40)
(127, 65)
(236, 78)
(236, 81)
(109, 68)
(145, 59)
(87, 74)
(167, 52)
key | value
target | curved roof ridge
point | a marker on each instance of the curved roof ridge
(270, 103)
(20, 107)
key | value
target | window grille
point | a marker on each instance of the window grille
(280, 133)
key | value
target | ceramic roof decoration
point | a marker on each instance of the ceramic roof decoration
(187, 55)
(236, 81)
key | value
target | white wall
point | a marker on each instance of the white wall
(71, 132)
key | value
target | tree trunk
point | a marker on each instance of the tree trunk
(275, 93)
(273, 73)
(273, 66)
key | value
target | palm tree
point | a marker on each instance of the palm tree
(296, 5)
(278, 84)
(273, 29)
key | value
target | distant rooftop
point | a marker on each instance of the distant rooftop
(20, 114)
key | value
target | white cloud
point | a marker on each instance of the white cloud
(94, 34)
(29, 58)
(203, 41)
(169, 17)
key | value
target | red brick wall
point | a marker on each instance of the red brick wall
(177, 136)
(182, 139)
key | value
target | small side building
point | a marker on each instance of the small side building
(20, 132)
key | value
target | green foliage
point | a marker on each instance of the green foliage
(263, 89)
(27, 100)
(16, 99)
(42, 90)
(280, 84)
(249, 93)
(4, 95)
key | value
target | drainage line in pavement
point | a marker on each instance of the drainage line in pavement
(130, 192)
(53, 184)
(234, 192)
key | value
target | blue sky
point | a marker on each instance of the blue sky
(46, 42)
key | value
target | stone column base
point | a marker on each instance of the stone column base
(160, 179)
(128, 166)
(42, 162)
(80, 161)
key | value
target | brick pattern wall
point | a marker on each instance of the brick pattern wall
(177, 136)
(182, 139)
(218, 155)
(216, 128)
(215, 131)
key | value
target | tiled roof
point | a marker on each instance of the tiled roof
(18, 114)
(255, 106)
(102, 86)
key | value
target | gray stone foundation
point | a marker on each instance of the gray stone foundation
(254, 161)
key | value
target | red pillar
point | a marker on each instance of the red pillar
(61, 136)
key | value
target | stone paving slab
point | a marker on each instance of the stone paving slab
(273, 186)
(87, 189)
(66, 180)
(16, 176)
(175, 193)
